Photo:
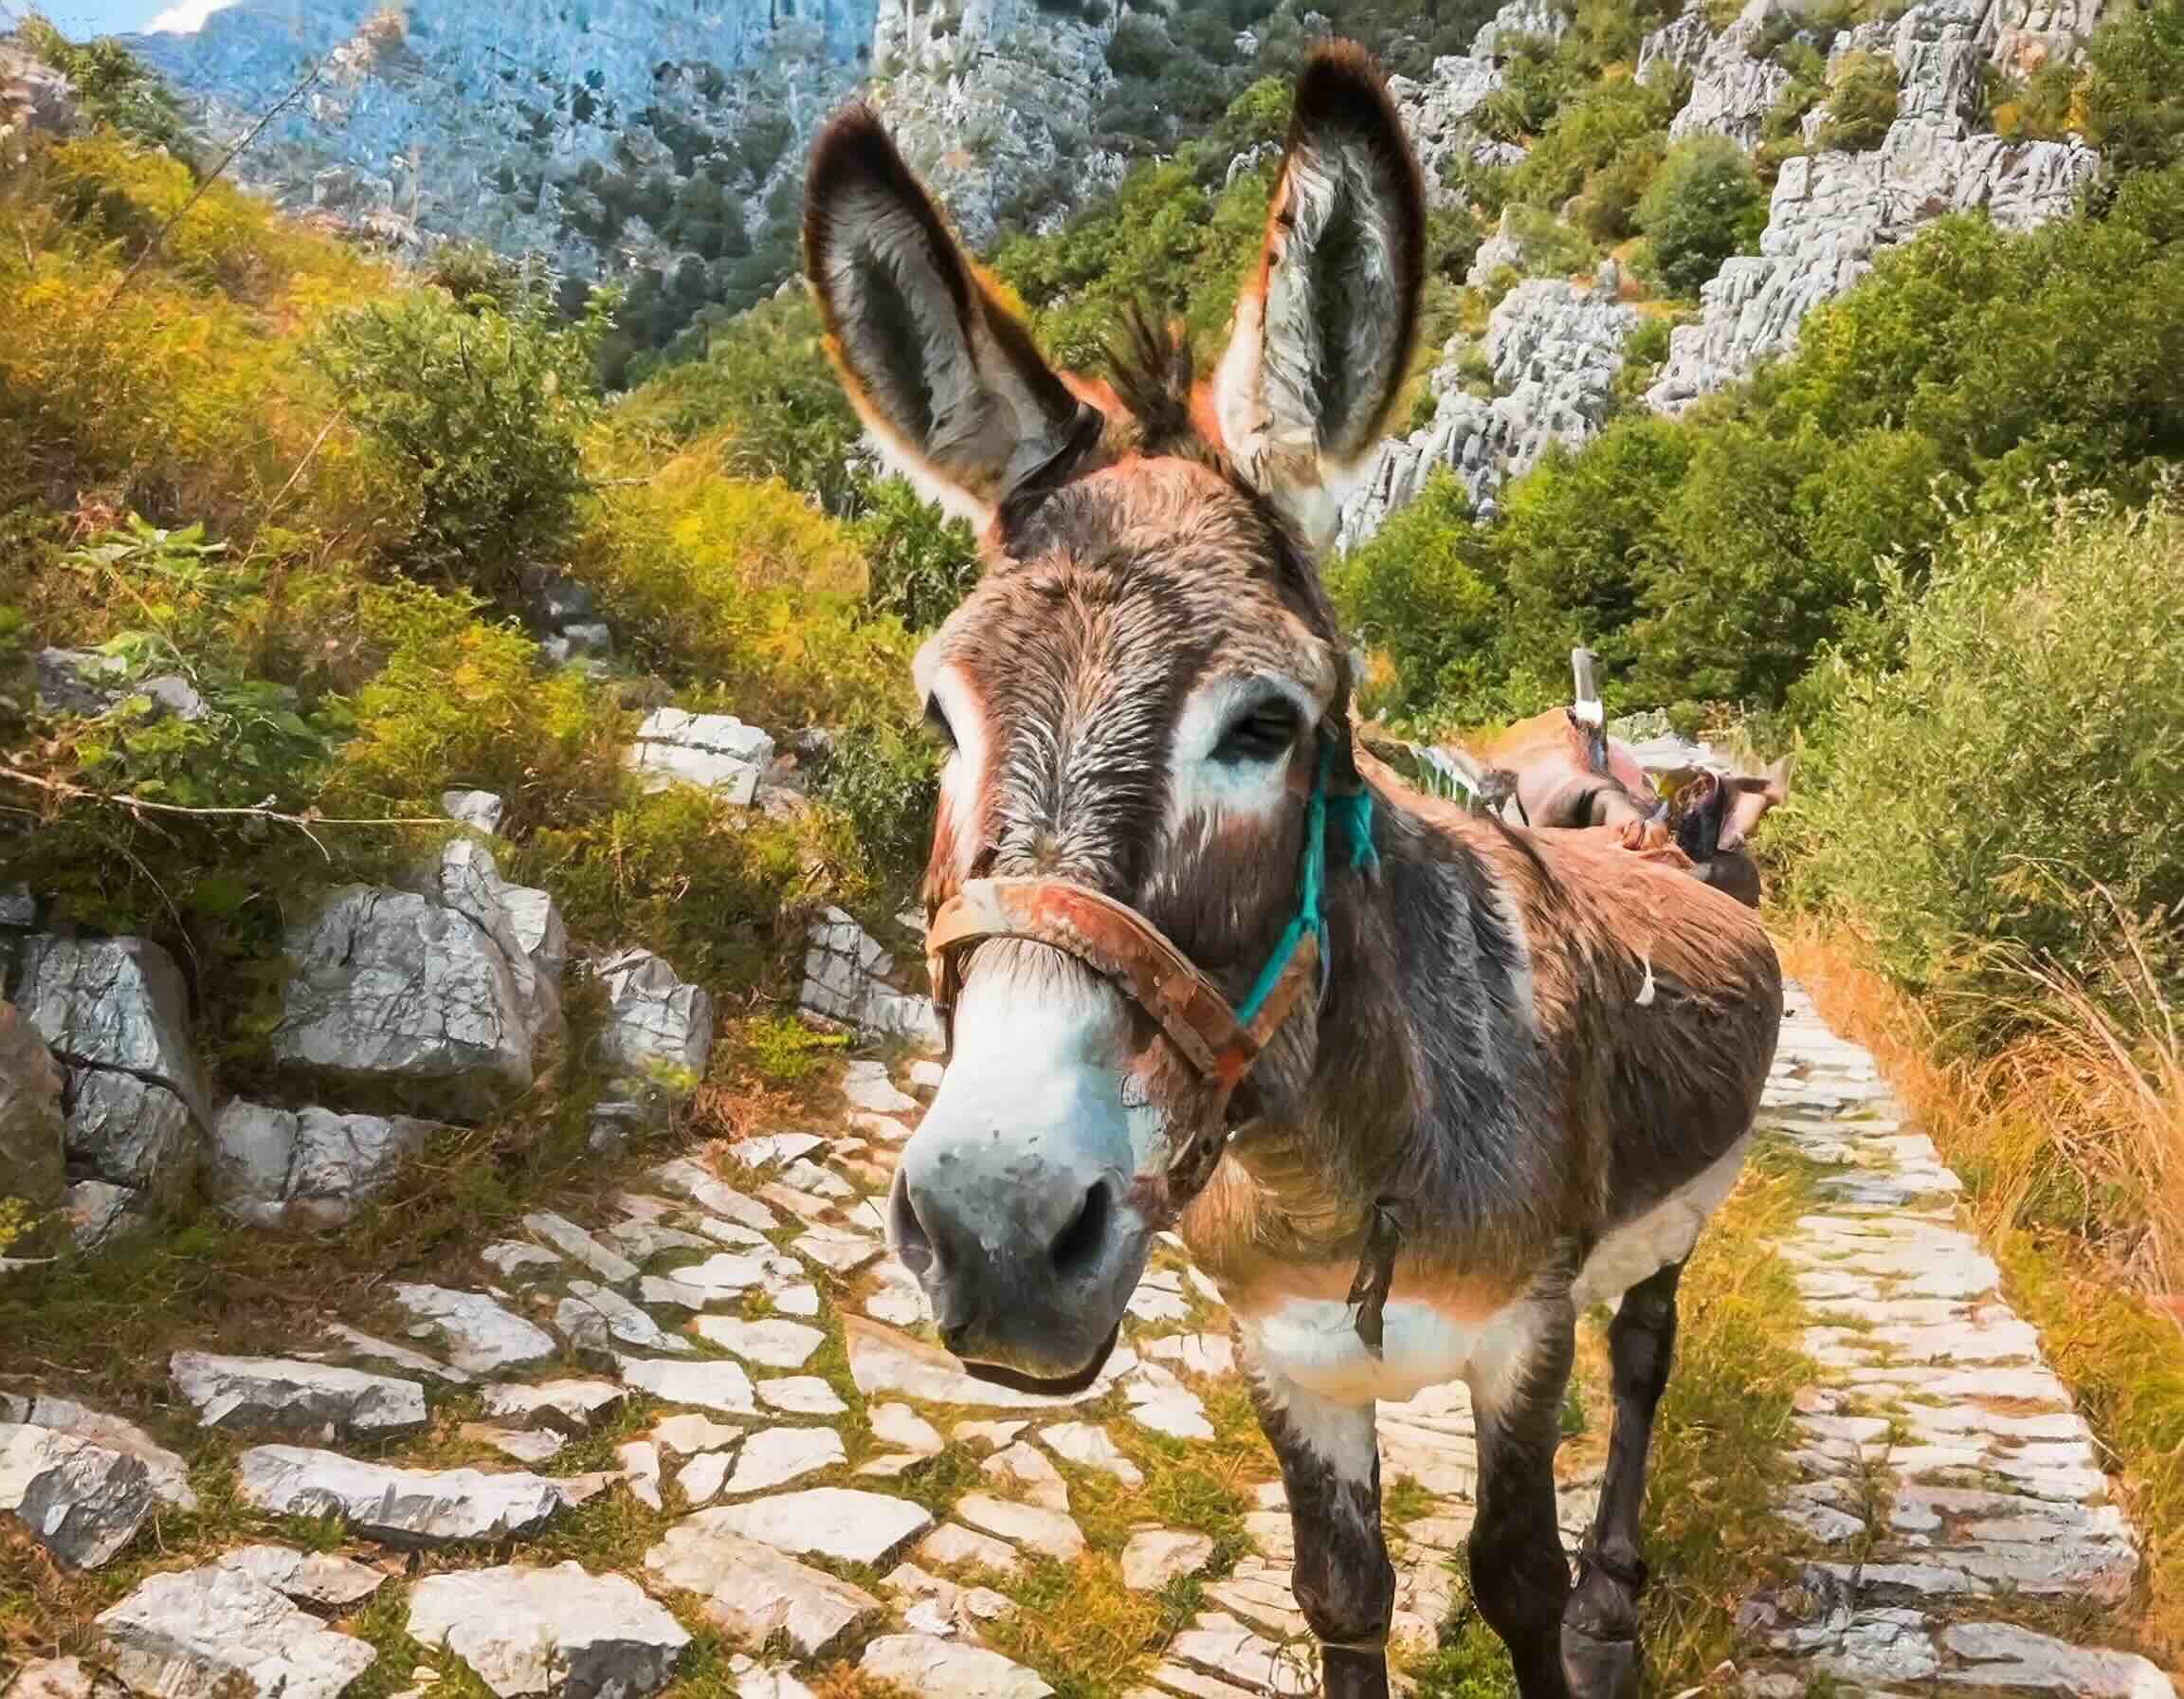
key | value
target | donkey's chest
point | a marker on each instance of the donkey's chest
(1313, 1343)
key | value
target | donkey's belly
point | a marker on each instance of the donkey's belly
(1664, 1234)
(1313, 1344)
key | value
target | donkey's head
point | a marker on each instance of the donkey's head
(1136, 700)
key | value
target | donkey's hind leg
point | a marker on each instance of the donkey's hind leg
(1600, 1625)
(1344, 1583)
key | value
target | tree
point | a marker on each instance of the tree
(1696, 211)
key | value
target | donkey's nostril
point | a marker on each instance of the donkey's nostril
(1079, 1245)
(913, 1244)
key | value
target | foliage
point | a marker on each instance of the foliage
(1862, 104)
(2034, 747)
(1619, 123)
(479, 403)
(921, 561)
(887, 785)
(2133, 98)
(1699, 209)
(766, 380)
(112, 87)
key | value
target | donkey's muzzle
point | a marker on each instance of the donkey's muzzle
(1026, 1258)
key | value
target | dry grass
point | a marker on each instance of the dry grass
(2071, 1142)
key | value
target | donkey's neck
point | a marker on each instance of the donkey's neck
(1423, 1082)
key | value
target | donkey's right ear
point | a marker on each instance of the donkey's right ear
(947, 381)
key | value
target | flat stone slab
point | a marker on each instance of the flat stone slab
(573, 1242)
(1219, 1645)
(564, 1406)
(1088, 1446)
(414, 1506)
(480, 1337)
(2003, 1655)
(754, 1591)
(773, 1343)
(952, 1543)
(311, 1578)
(558, 1631)
(1029, 1473)
(949, 1669)
(1050, 1532)
(280, 1395)
(883, 1360)
(169, 1474)
(841, 1522)
(689, 1433)
(897, 1424)
(1154, 1556)
(703, 1187)
(801, 1395)
(779, 1455)
(213, 1632)
(722, 1386)
(597, 1320)
(355, 1343)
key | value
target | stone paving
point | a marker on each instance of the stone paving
(743, 1290)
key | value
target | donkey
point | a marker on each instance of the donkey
(1713, 816)
(1414, 1087)
(1568, 772)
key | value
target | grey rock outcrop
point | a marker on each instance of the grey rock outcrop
(1554, 349)
(1829, 214)
(1679, 45)
(850, 978)
(33, 97)
(308, 1167)
(525, 925)
(1520, 19)
(252, 1393)
(1437, 114)
(402, 1507)
(400, 996)
(32, 1166)
(479, 809)
(1732, 91)
(205, 1633)
(1832, 212)
(991, 102)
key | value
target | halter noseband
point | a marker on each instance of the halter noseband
(1220, 1040)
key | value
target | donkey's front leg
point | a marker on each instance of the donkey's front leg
(1343, 1580)
(1519, 1578)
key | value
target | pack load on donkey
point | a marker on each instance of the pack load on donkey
(1414, 1087)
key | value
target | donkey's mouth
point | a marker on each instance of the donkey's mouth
(1057, 1386)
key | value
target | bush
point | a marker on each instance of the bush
(922, 563)
(112, 87)
(886, 784)
(2133, 98)
(480, 406)
(1861, 106)
(1697, 210)
(2028, 754)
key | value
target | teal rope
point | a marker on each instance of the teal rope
(1354, 815)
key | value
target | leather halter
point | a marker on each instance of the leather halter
(1220, 1040)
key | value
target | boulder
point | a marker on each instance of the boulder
(84, 1502)
(130, 1132)
(525, 925)
(32, 1166)
(169, 1473)
(558, 1631)
(99, 1212)
(754, 1592)
(479, 809)
(216, 1633)
(259, 1393)
(78, 681)
(654, 1019)
(406, 999)
(402, 1507)
(57, 1677)
(114, 1003)
(309, 1167)
(849, 979)
(716, 752)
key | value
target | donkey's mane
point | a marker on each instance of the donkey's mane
(1153, 374)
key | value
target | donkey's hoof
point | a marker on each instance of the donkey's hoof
(1599, 1667)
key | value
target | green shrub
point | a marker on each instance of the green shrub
(113, 87)
(921, 561)
(1696, 210)
(1861, 106)
(2027, 755)
(480, 406)
(2133, 97)
(1610, 122)
(886, 783)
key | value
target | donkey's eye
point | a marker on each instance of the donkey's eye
(937, 723)
(1263, 735)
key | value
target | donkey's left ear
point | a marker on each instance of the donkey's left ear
(1323, 332)
(947, 381)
